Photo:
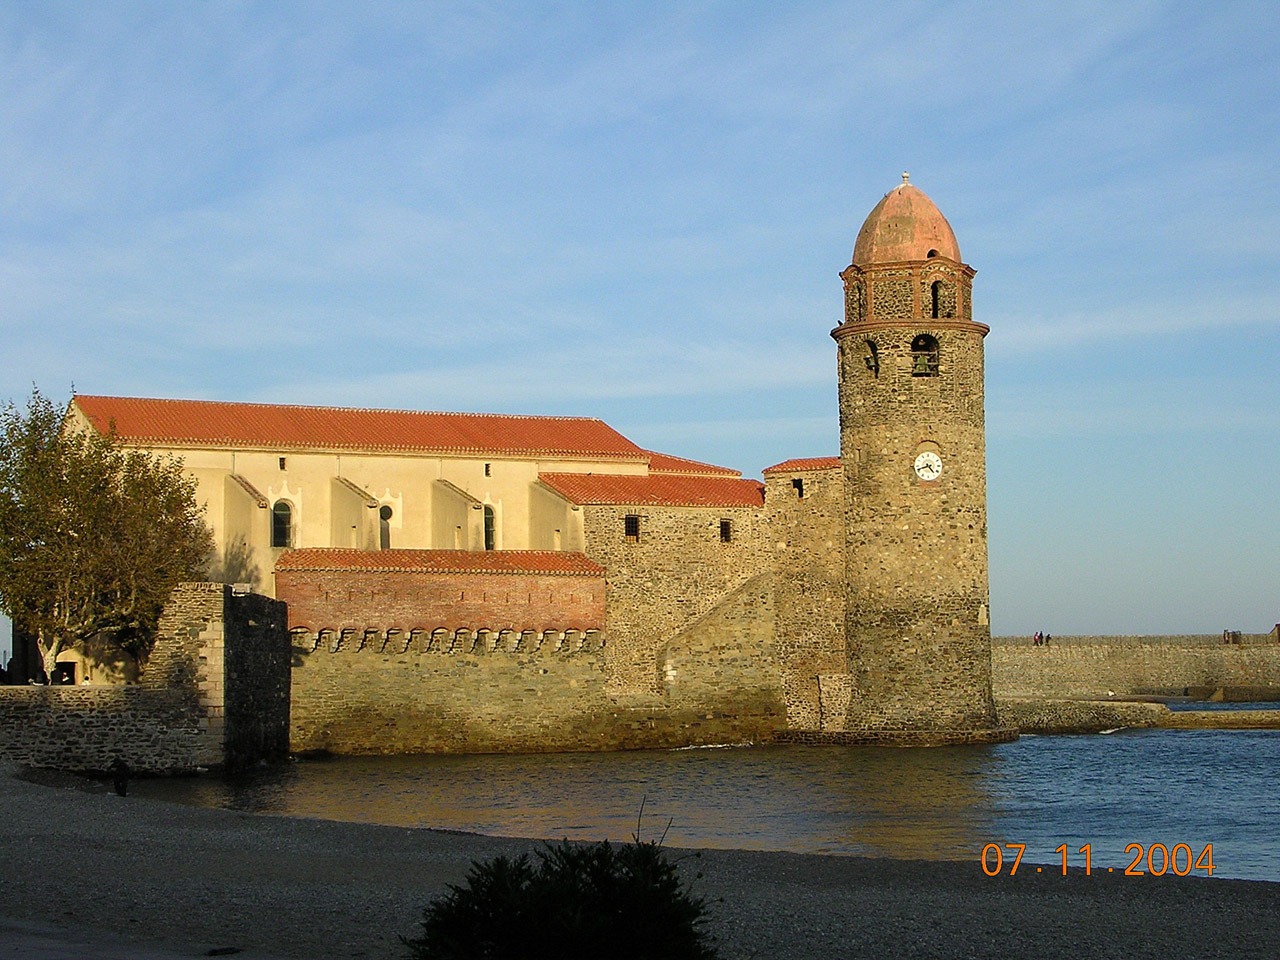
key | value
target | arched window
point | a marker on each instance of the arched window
(924, 356)
(871, 357)
(384, 527)
(282, 524)
(490, 528)
(942, 297)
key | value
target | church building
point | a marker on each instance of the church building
(476, 582)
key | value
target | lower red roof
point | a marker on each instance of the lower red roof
(666, 463)
(670, 490)
(553, 562)
(805, 463)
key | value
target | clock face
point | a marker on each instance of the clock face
(928, 466)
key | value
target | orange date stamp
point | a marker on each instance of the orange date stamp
(1156, 858)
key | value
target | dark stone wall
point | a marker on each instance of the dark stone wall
(257, 657)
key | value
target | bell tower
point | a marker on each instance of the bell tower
(913, 450)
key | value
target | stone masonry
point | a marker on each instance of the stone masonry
(1104, 667)
(804, 517)
(214, 692)
(677, 571)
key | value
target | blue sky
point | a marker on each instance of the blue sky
(639, 211)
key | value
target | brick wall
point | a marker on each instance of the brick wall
(409, 600)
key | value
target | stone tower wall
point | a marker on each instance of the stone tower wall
(918, 640)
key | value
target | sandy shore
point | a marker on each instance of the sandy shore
(93, 875)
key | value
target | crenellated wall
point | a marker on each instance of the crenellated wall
(453, 693)
(414, 661)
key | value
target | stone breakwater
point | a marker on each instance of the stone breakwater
(1078, 716)
(1094, 716)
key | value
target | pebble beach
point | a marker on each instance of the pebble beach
(87, 874)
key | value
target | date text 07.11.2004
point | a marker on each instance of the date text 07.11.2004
(1154, 860)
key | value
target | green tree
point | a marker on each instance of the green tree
(92, 537)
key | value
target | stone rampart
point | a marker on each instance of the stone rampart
(448, 693)
(722, 676)
(1078, 716)
(214, 691)
(469, 691)
(1098, 667)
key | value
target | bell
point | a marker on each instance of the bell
(921, 364)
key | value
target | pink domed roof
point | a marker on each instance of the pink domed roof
(905, 225)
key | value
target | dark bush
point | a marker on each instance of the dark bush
(579, 902)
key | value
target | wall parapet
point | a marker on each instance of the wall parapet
(1132, 640)
(448, 642)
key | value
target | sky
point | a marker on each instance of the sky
(639, 212)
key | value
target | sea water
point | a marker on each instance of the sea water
(1050, 795)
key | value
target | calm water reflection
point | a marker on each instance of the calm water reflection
(1144, 787)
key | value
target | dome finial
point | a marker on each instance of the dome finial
(906, 178)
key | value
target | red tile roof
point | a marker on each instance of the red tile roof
(804, 463)
(666, 463)
(554, 562)
(208, 423)
(661, 490)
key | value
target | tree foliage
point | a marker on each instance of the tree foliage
(579, 902)
(92, 537)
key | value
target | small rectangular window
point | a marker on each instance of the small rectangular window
(799, 487)
(488, 469)
(631, 528)
(282, 463)
(726, 531)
